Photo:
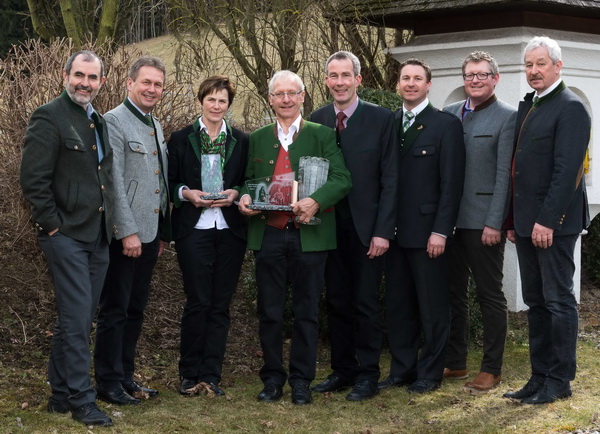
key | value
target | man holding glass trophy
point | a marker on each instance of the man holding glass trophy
(290, 237)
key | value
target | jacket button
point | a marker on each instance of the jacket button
(94, 147)
(99, 167)
(151, 133)
(100, 209)
(423, 152)
(157, 191)
(156, 211)
(76, 147)
(276, 145)
(155, 153)
(92, 125)
(156, 172)
(102, 187)
(268, 179)
(271, 162)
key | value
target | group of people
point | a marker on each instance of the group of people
(424, 196)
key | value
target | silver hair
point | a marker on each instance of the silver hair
(285, 74)
(549, 44)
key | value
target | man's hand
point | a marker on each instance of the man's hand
(132, 246)
(195, 198)
(490, 236)
(510, 234)
(161, 247)
(436, 245)
(541, 236)
(243, 206)
(305, 209)
(378, 247)
(231, 196)
(53, 231)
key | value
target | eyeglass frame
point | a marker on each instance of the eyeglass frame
(281, 95)
(472, 75)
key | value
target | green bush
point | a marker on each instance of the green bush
(382, 97)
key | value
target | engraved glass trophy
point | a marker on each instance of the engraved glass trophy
(212, 177)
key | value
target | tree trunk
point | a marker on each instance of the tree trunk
(108, 20)
(73, 22)
(39, 14)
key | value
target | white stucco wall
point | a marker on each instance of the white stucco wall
(581, 72)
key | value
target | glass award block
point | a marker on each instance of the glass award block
(273, 193)
(212, 177)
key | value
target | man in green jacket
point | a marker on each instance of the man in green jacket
(285, 248)
(66, 177)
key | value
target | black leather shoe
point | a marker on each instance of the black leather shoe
(216, 389)
(271, 392)
(56, 406)
(364, 389)
(550, 391)
(393, 382)
(532, 386)
(116, 395)
(187, 384)
(134, 389)
(333, 383)
(301, 394)
(90, 414)
(424, 386)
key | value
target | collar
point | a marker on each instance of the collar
(202, 126)
(418, 109)
(550, 89)
(294, 128)
(348, 111)
(488, 102)
(137, 112)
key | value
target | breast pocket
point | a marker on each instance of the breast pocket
(137, 147)
(541, 145)
(424, 151)
(75, 145)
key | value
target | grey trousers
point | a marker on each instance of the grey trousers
(77, 270)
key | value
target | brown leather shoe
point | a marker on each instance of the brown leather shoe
(482, 383)
(459, 374)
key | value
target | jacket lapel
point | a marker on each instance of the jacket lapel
(412, 134)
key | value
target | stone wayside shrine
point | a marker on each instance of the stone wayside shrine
(447, 31)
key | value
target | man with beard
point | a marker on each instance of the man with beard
(65, 175)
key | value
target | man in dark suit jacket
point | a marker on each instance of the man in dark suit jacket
(286, 250)
(142, 228)
(549, 210)
(65, 175)
(431, 174)
(365, 224)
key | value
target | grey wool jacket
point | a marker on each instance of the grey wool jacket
(137, 172)
(488, 136)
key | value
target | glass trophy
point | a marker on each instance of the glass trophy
(273, 193)
(277, 193)
(212, 177)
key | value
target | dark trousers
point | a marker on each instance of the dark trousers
(210, 262)
(121, 314)
(417, 311)
(468, 256)
(77, 269)
(353, 306)
(279, 261)
(547, 281)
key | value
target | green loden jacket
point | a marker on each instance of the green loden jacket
(313, 140)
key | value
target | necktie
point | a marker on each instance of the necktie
(536, 101)
(408, 116)
(341, 116)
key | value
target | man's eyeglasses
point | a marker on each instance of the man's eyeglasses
(479, 75)
(281, 95)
